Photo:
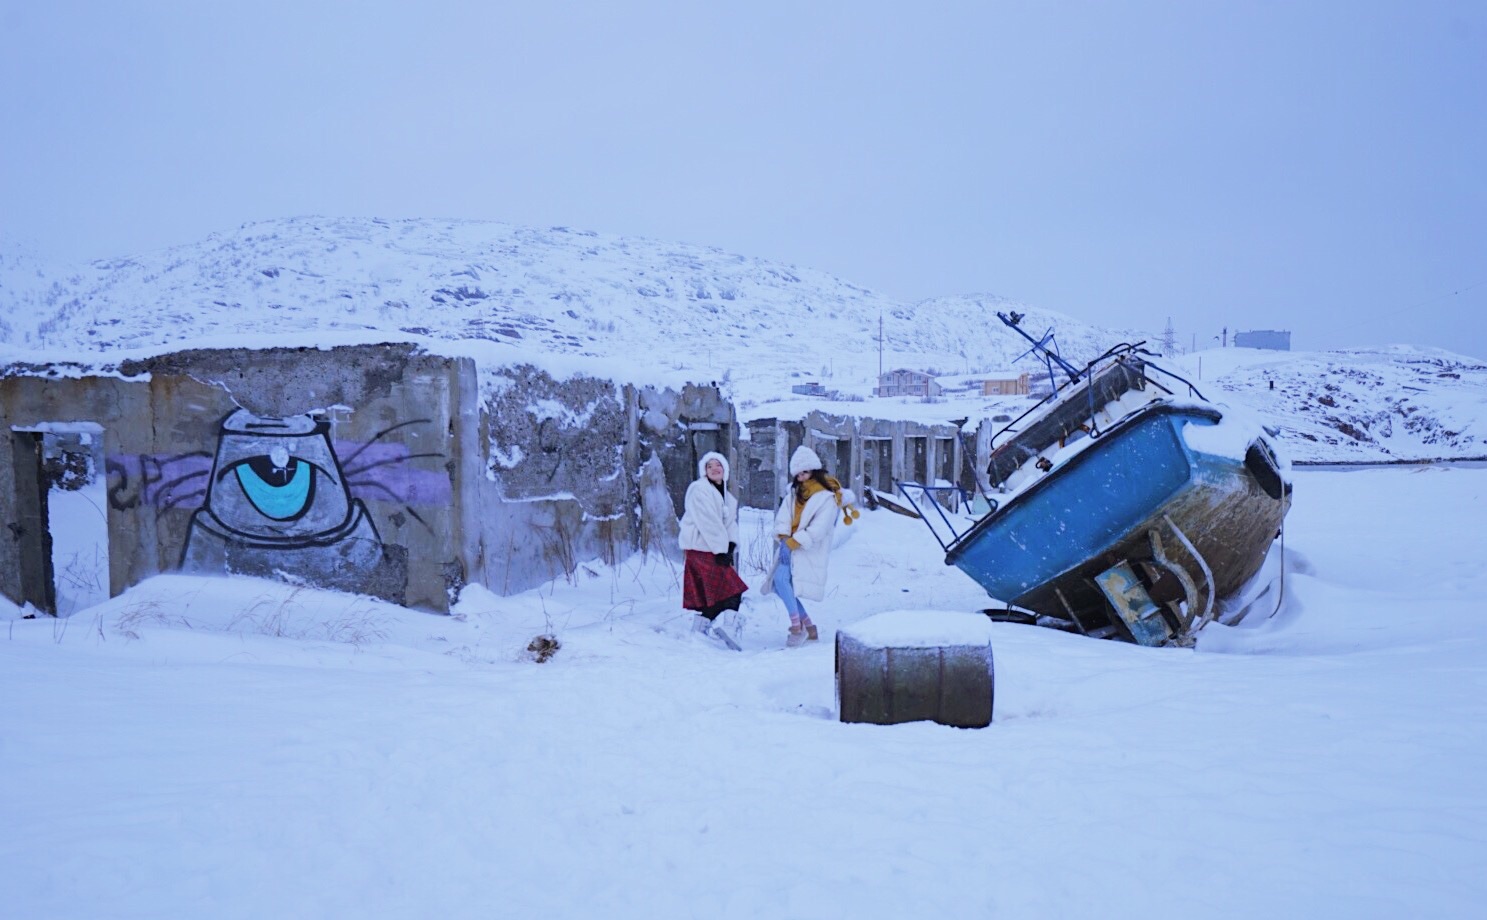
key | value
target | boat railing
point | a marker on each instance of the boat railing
(930, 496)
(1192, 390)
(1117, 353)
(1012, 427)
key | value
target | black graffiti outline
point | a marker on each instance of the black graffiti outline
(309, 501)
(152, 471)
(350, 472)
(149, 476)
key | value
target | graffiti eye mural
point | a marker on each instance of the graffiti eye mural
(276, 484)
(278, 479)
(278, 505)
(277, 500)
(281, 488)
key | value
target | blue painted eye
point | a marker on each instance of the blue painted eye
(279, 492)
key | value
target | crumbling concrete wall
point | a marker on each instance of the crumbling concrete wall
(681, 427)
(11, 577)
(555, 491)
(834, 439)
(861, 452)
(760, 463)
(385, 470)
(975, 446)
(583, 468)
(35, 397)
(332, 467)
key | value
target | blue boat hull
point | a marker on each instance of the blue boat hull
(1044, 547)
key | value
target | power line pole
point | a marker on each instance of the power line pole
(1169, 339)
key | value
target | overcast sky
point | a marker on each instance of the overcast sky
(1313, 166)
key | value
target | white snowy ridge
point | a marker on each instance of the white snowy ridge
(647, 311)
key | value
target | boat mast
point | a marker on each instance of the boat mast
(1039, 346)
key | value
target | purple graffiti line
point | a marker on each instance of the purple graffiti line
(357, 450)
(163, 481)
(381, 472)
(385, 469)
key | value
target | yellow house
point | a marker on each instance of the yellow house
(1005, 384)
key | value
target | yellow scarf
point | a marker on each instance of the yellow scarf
(804, 493)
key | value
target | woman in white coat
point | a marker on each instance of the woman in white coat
(709, 538)
(804, 525)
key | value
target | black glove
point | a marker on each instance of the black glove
(723, 559)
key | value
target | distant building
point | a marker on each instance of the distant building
(951, 384)
(1272, 339)
(1040, 386)
(1005, 383)
(905, 382)
(811, 388)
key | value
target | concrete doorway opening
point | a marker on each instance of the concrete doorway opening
(877, 464)
(62, 526)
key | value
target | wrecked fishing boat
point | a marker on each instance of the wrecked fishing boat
(1125, 505)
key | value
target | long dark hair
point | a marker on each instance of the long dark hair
(818, 476)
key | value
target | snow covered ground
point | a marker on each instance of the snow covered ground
(79, 545)
(238, 748)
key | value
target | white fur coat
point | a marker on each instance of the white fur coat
(817, 523)
(709, 517)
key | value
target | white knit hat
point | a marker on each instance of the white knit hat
(712, 455)
(804, 460)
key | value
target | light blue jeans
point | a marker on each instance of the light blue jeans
(783, 586)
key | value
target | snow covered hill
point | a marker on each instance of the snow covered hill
(1394, 404)
(755, 326)
(544, 291)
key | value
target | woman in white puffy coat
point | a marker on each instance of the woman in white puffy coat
(709, 538)
(804, 526)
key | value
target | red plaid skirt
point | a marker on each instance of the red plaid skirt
(706, 584)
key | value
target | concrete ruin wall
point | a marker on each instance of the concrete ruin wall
(13, 578)
(585, 469)
(554, 491)
(30, 400)
(333, 467)
(976, 443)
(680, 428)
(861, 452)
(384, 470)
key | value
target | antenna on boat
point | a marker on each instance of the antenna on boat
(1050, 355)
